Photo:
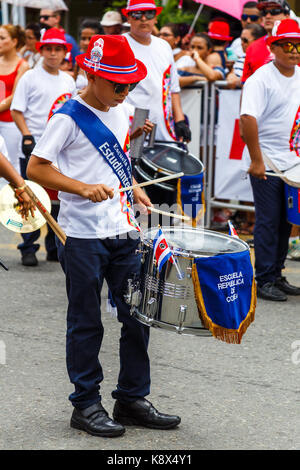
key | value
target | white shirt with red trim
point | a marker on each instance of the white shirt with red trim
(154, 92)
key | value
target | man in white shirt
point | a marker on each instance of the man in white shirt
(269, 109)
(41, 92)
(160, 91)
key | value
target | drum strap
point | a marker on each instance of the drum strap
(225, 292)
(103, 140)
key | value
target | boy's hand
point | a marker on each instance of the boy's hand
(147, 128)
(258, 170)
(141, 198)
(97, 192)
(26, 204)
(28, 144)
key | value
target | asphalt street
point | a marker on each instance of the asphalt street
(229, 397)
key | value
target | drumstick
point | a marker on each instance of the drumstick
(50, 220)
(147, 183)
(176, 216)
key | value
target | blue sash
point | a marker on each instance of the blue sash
(190, 196)
(102, 139)
(225, 292)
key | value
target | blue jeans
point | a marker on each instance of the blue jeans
(272, 230)
(86, 263)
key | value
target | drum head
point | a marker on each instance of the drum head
(197, 242)
(172, 159)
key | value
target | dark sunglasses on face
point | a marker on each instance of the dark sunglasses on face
(272, 11)
(46, 17)
(137, 15)
(121, 87)
(252, 17)
(245, 40)
(289, 46)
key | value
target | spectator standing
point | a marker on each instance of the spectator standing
(250, 15)
(52, 19)
(112, 22)
(39, 93)
(88, 29)
(12, 67)
(159, 91)
(29, 52)
(219, 33)
(170, 32)
(270, 105)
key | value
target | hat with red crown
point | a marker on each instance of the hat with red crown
(111, 57)
(284, 29)
(139, 5)
(219, 30)
(53, 37)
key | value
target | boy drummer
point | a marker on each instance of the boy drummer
(270, 124)
(91, 156)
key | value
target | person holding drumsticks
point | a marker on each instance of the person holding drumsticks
(89, 139)
(269, 109)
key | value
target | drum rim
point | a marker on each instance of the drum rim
(191, 253)
(157, 168)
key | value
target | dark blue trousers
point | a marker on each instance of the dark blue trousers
(272, 230)
(86, 263)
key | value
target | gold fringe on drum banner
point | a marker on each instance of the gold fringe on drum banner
(190, 195)
(228, 335)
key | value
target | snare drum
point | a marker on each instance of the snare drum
(162, 299)
(165, 160)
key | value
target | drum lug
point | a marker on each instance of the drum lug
(133, 296)
(141, 252)
(181, 317)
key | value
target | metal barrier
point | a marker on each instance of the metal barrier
(207, 147)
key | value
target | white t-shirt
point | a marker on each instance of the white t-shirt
(37, 93)
(154, 92)
(274, 100)
(64, 144)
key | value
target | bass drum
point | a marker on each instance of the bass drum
(165, 160)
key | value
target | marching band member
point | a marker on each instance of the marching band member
(89, 139)
(270, 124)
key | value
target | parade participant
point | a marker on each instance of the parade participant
(38, 94)
(112, 22)
(270, 103)
(12, 67)
(88, 29)
(52, 19)
(89, 139)
(259, 52)
(160, 91)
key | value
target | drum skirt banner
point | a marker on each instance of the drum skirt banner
(225, 292)
(190, 196)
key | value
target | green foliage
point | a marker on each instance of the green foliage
(172, 14)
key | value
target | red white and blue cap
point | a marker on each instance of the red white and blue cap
(111, 57)
(284, 29)
(140, 5)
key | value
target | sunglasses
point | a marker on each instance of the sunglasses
(272, 11)
(251, 17)
(137, 15)
(245, 40)
(121, 87)
(289, 46)
(46, 17)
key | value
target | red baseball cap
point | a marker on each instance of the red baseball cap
(139, 5)
(53, 36)
(111, 57)
(219, 30)
(284, 29)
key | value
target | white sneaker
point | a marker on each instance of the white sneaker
(294, 250)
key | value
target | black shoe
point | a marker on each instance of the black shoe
(282, 284)
(143, 413)
(52, 256)
(269, 291)
(95, 420)
(29, 259)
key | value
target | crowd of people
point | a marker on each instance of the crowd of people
(65, 103)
